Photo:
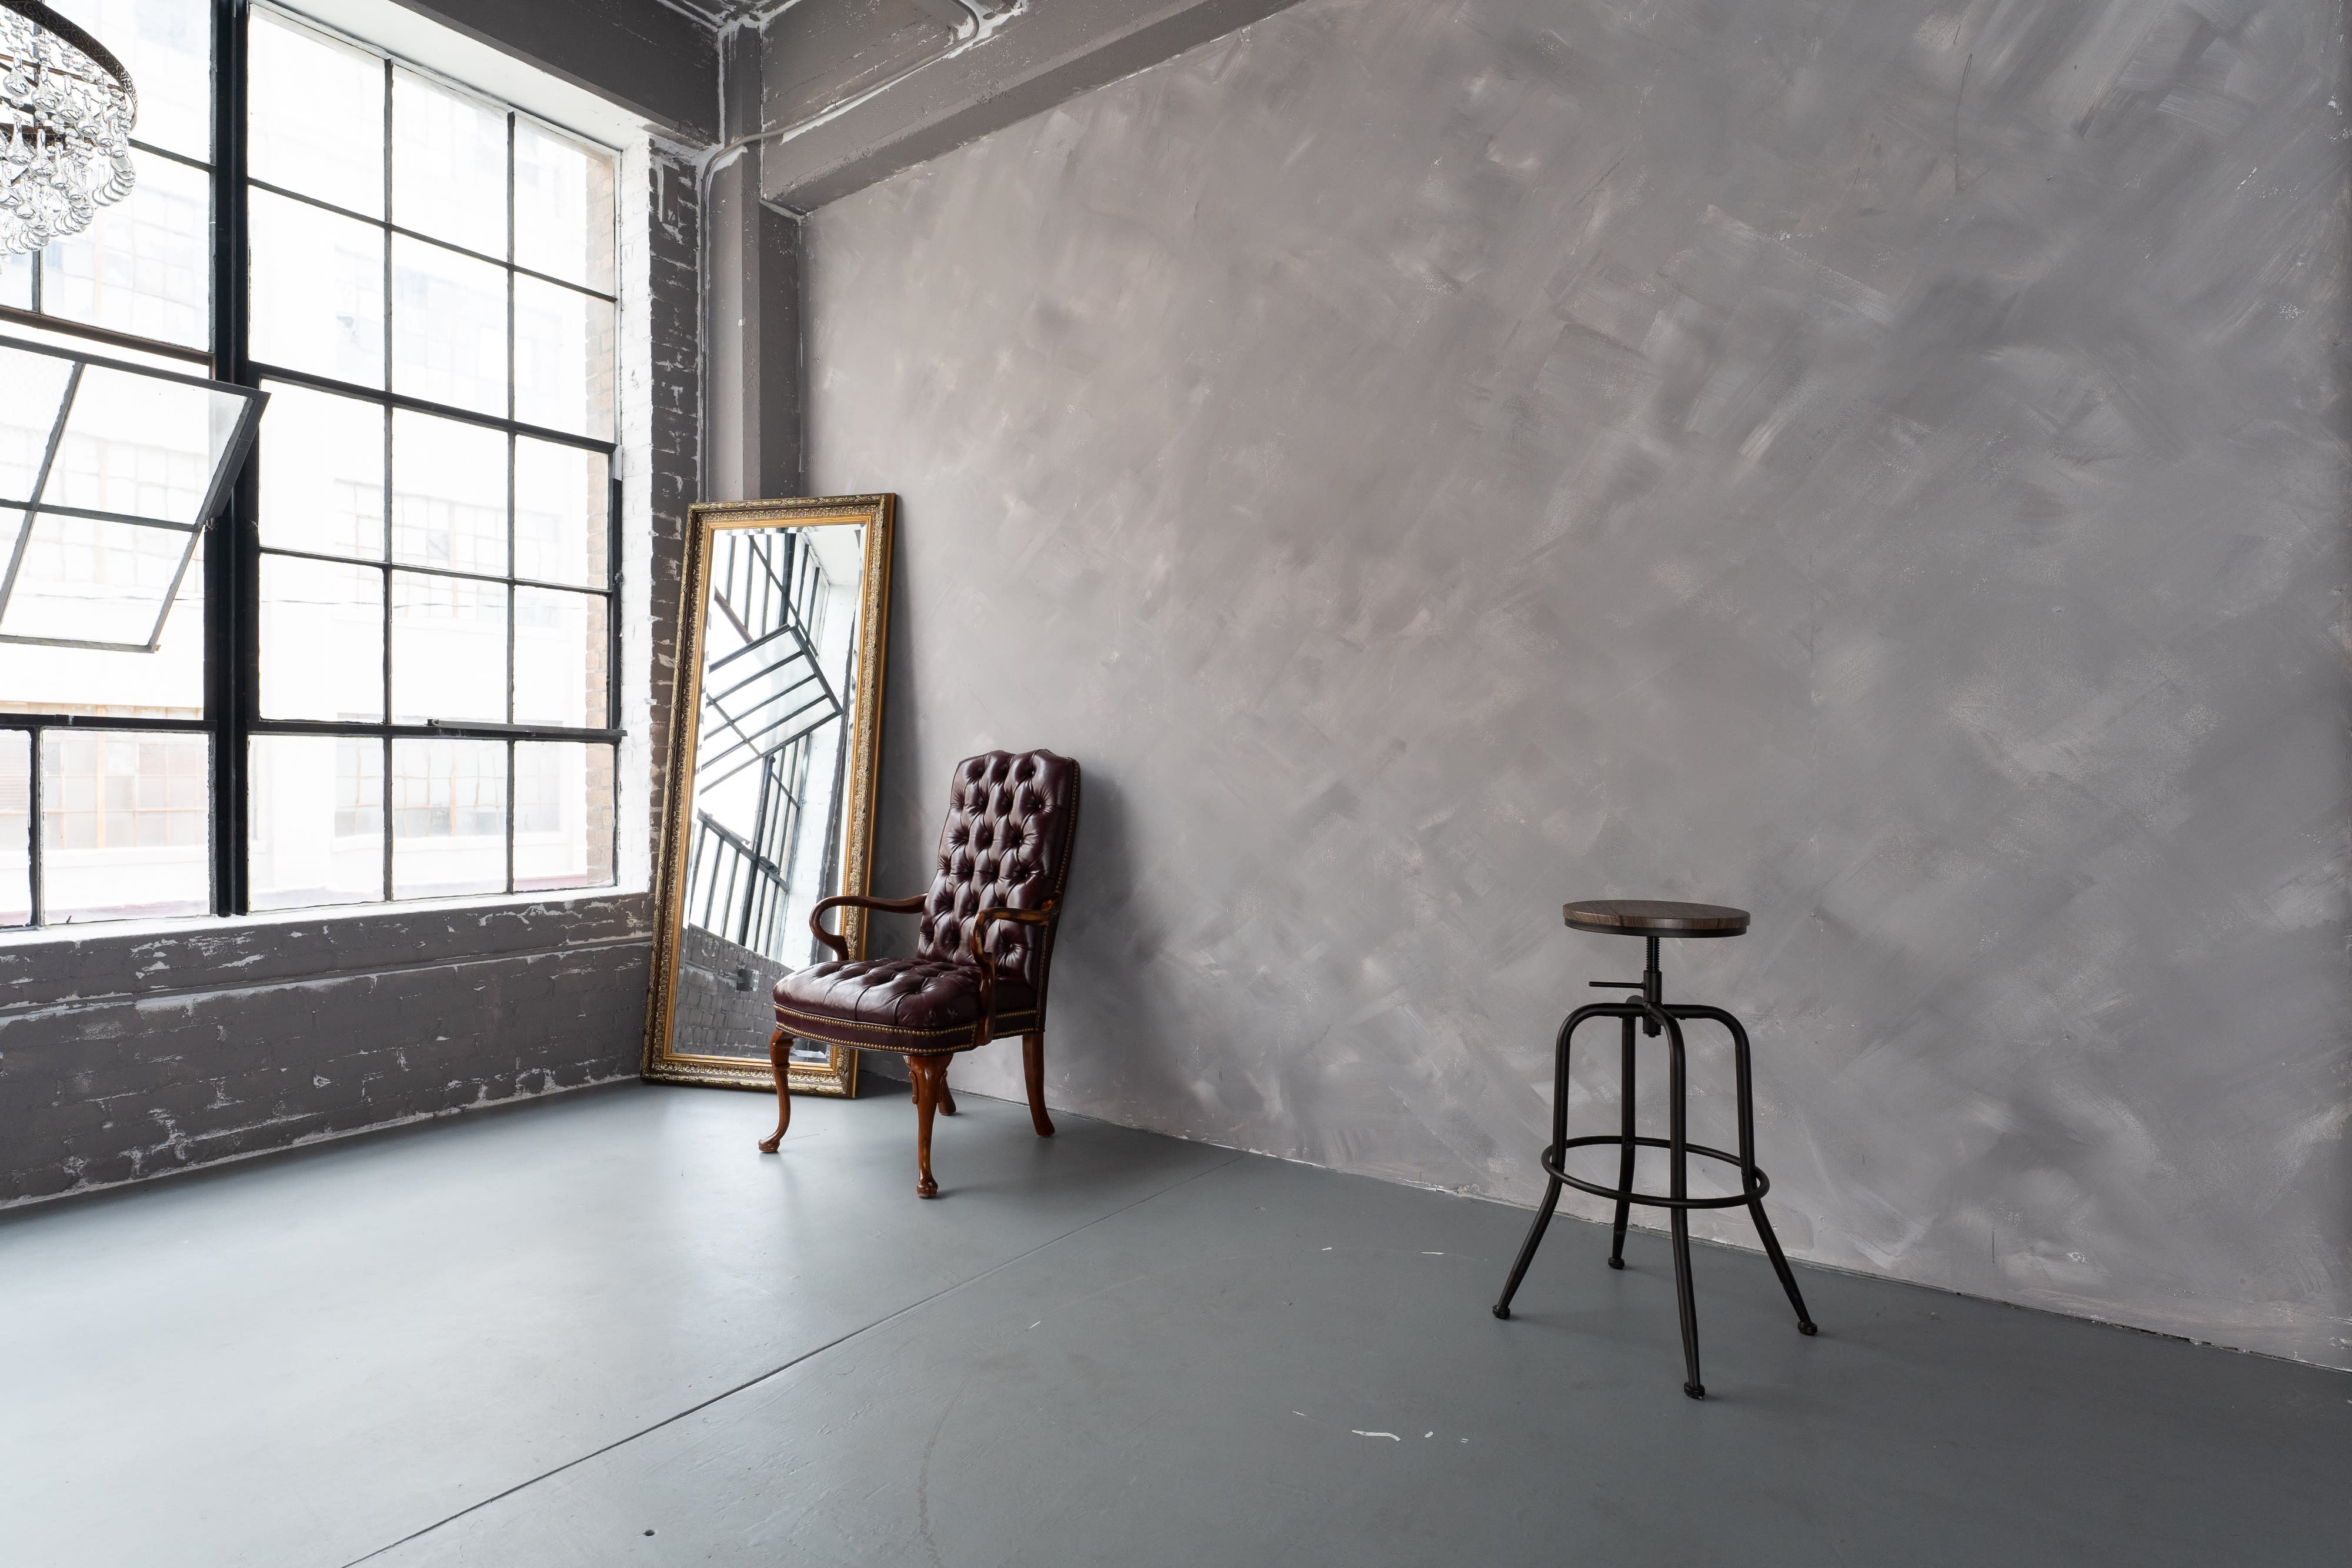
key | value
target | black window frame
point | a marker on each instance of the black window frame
(233, 550)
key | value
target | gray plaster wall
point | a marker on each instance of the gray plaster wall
(1876, 462)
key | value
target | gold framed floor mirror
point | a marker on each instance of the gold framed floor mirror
(770, 777)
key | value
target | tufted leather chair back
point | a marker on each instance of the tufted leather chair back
(1011, 819)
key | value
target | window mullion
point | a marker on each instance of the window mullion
(231, 562)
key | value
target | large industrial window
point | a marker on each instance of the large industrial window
(388, 671)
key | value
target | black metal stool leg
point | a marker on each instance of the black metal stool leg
(1528, 1247)
(1624, 1159)
(1559, 1136)
(1805, 1324)
(1679, 1177)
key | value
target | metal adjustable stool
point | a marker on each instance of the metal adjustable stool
(1651, 920)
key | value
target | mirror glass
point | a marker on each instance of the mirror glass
(771, 787)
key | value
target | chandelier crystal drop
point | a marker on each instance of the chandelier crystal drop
(67, 107)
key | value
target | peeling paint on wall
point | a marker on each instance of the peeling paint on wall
(1433, 462)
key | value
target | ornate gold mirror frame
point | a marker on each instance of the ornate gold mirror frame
(751, 834)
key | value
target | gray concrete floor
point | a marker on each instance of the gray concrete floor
(603, 1329)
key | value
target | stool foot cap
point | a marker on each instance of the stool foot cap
(1696, 1390)
(1502, 1311)
(1616, 1263)
(1808, 1329)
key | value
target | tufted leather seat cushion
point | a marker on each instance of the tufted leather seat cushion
(914, 1005)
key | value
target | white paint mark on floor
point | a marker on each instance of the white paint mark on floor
(1390, 1436)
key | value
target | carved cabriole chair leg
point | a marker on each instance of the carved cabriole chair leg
(931, 1075)
(1032, 1067)
(947, 1095)
(780, 1056)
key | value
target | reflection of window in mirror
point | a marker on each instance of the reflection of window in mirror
(779, 666)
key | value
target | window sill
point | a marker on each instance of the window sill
(195, 926)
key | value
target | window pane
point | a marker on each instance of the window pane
(142, 446)
(83, 579)
(563, 208)
(16, 280)
(560, 657)
(561, 499)
(318, 290)
(123, 825)
(15, 827)
(32, 390)
(448, 648)
(448, 327)
(563, 815)
(166, 684)
(448, 165)
(449, 817)
(321, 639)
(168, 51)
(322, 473)
(143, 264)
(448, 494)
(314, 115)
(563, 358)
(317, 813)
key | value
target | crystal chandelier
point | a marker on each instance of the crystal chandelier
(66, 110)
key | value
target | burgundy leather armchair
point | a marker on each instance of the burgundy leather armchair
(984, 951)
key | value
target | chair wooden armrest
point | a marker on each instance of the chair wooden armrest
(1041, 916)
(840, 948)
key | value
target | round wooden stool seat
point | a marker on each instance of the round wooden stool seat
(1653, 917)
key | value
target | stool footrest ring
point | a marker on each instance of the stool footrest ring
(1551, 1164)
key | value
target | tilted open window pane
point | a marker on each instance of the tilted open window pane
(152, 449)
(449, 818)
(322, 473)
(16, 280)
(317, 818)
(448, 165)
(142, 446)
(124, 824)
(85, 581)
(15, 827)
(31, 395)
(314, 115)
